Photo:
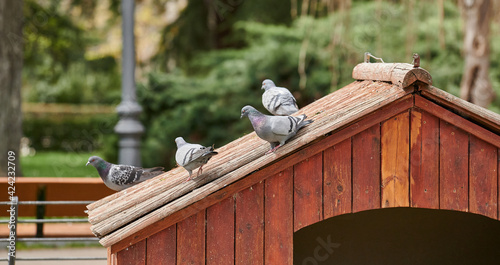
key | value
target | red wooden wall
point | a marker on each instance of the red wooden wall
(412, 159)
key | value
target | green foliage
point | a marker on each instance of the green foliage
(73, 134)
(55, 67)
(209, 25)
(198, 109)
(58, 164)
(215, 56)
(202, 103)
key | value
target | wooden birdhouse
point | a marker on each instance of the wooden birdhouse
(388, 140)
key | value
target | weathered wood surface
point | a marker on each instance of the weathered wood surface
(177, 199)
(329, 113)
(133, 255)
(414, 133)
(454, 158)
(366, 169)
(112, 257)
(135, 231)
(249, 243)
(308, 191)
(220, 233)
(483, 178)
(424, 160)
(278, 227)
(191, 239)
(400, 74)
(395, 137)
(491, 137)
(485, 117)
(161, 248)
(337, 179)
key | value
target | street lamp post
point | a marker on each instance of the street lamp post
(128, 127)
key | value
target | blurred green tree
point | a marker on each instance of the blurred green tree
(202, 101)
(56, 68)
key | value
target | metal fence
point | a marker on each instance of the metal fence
(13, 238)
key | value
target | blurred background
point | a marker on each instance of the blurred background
(200, 62)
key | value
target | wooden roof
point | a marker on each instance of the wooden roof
(378, 85)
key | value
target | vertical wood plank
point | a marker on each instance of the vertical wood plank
(133, 255)
(220, 233)
(308, 191)
(191, 239)
(366, 169)
(454, 168)
(250, 225)
(424, 160)
(337, 179)
(483, 178)
(279, 218)
(395, 138)
(161, 247)
(111, 257)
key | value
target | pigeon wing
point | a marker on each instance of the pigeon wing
(189, 153)
(122, 174)
(283, 125)
(273, 98)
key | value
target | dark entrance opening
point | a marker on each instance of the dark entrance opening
(400, 236)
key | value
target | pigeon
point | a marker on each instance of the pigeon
(191, 156)
(274, 129)
(278, 100)
(120, 177)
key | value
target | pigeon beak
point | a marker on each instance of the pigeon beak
(87, 163)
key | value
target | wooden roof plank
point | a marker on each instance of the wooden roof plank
(468, 110)
(462, 123)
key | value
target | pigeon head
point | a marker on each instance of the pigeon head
(180, 141)
(97, 162)
(248, 110)
(268, 83)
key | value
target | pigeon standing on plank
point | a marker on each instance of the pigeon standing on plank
(274, 129)
(120, 177)
(278, 100)
(191, 156)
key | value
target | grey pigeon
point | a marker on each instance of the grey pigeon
(120, 177)
(278, 100)
(274, 129)
(191, 156)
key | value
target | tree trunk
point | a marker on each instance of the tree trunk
(11, 62)
(476, 85)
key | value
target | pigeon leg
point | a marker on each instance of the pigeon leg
(274, 149)
(189, 178)
(273, 146)
(200, 170)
